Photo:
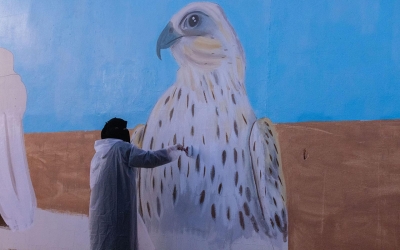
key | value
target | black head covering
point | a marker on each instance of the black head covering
(116, 128)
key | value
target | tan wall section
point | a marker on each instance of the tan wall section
(59, 165)
(343, 180)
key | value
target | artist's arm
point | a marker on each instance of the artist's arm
(149, 159)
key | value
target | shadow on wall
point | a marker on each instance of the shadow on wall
(2, 222)
(17, 201)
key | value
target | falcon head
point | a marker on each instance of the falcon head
(200, 35)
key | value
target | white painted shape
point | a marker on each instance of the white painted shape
(17, 197)
(144, 240)
(173, 241)
(50, 231)
(6, 63)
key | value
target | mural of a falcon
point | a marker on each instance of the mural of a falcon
(232, 188)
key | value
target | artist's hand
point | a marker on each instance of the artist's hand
(181, 148)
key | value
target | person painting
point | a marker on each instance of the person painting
(112, 212)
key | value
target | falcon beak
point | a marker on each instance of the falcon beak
(167, 38)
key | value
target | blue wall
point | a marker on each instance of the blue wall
(84, 62)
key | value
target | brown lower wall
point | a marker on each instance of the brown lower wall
(343, 180)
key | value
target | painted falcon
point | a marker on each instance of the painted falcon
(232, 188)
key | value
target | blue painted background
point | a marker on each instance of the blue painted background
(84, 62)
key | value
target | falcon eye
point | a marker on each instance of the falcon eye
(193, 20)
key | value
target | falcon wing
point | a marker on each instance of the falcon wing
(268, 174)
(137, 135)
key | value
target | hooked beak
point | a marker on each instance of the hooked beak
(167, 38)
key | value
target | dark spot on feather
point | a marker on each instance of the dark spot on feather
(205, 98)
(240, 190)
(193, 110)
(216, 111)
(272, 223)
(204, 142)
(213, 213)
(166, 100)
(171, 113)
(266, 135)
(171, 172)
(276, 148)
(248, 194)
(202, 196)
(219, 188)
(244, 119)
(222, 92)
(270, 171)
(276, 184)
(235, 156)
(174, 139)
(174, 194)
(280, 180)
(212, 92)
(277, 221)
(165, 171)
(223, 157)
(212, 173)
(241, 219)
(218, 131)
(235, 127)
(277, 162)
(274, 201)
(179, 93)
(270, 157)
(179, 163)
(266, 123)
(192, 131)
(187, 175)
(198, 163)
(148, 209)
(140, 208)
(266, 141)
(158, 207)
(228, 213)
(174, 93)
(161, 187)
(162, 145)
(270, 132)
(246, 209)
(254, 222)
(151, 143)
(187, 101)
(254, 146)
(236, 178)
(154, 184)
(204, 171)
(160, 123)
(243, 158)
(226, 138)
(215, 77)
(233, 99)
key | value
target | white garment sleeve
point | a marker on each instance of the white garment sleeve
(148, 159)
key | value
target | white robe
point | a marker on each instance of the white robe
(113, 211)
